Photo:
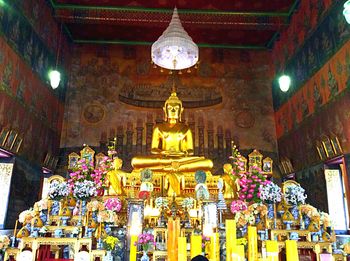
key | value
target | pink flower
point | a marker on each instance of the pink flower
(249, 196)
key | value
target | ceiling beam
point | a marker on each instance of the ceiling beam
(203, 45)
(56, 5)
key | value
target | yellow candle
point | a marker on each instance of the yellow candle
(196, 245)
(173, 234)
(133, 248)
(14, 231)
(214, 253)
(272, 250)
(182, 249)
(231, 240)
(292, 250)
(252, 244)
(100, 232)
(238, 253)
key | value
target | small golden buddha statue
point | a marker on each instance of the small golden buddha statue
(23, 232)
(230, 186)
(117, 177)
(314, 224)
(64, 210)
(172, 144)
(36, 221)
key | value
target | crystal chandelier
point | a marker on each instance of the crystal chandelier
(174, 49)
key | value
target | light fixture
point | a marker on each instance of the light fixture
(55, 78)
(346, 11)
(174, 49)
(55, 75)
(284, 83)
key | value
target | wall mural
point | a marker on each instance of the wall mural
(309, 44)
(300, 143)
(21, 34)
(28, 106)
(328, 83)
(239, 82)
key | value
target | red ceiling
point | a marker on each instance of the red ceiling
(215, 23)
(221, 5)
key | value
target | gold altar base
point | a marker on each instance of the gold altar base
(161, 184)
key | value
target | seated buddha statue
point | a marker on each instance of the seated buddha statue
(172, 144)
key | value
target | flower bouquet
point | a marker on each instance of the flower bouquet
(258, 208)
(146, 241)
(161, 202)
(110, 242)
(95, 205)
(237, 206)
(188, 203)
(84, 190)
(244, 217)
(58, 190)
(250, 183)
(84, 170)
(325, 219)
(270, 193)
(308, 210)
(113, 204)
(41, 205)
(4, 243)
(205, 244)
(26, 216)
(107, 216)
(295, 195)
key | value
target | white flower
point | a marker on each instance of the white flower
(161, 202)
(295, 195)
(188, 203)
(270, 193)
(84, 189)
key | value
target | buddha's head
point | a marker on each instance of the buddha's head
(173, 108)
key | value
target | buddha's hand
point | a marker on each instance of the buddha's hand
(172, 153)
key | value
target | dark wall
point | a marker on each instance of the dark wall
(24, 190)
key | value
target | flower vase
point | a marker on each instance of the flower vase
(294, 211)
(82, 210)
(241, 231)
(307, 221)
(55, 207)
(144, 257)
(257, 219)
(270, 211)
(108, 256)
(43, 215)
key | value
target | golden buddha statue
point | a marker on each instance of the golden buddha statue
(174, 183)
(231, 186)
(117, 177)
(172, 144)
